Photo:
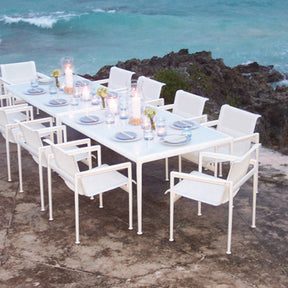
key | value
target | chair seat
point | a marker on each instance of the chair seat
(99, 183)
(209, 193)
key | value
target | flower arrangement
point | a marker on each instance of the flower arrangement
(102, 92)
(56, 73)
(150, 113)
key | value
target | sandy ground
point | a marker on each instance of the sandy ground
(39, 253)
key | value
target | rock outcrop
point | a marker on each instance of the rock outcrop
(244, 86)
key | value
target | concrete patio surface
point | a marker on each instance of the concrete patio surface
(36, 252)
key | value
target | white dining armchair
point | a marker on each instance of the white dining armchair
(9, 118)
(189, 106)
(213, 190)
(119, 79)
(237, 123)
(31, 139)
(150, 90)
(91, 182)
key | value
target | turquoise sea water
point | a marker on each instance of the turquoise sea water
(97, 33)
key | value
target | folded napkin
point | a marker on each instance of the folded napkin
(35, 91)
(184, 124)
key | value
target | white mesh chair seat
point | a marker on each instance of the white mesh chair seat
(213, 190)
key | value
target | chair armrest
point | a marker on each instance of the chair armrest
(86, 141)
(87, 149)
(217, 156)
(18, 108)
(201, 119)
(4, 82)
(199, 178)
(40, 121)
(167, 107)
(102, 81)
(210, 123)
(96, 170)
(254, 138)
(156, 102)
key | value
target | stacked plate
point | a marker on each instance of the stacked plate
(89, 120)
(58, 102)
(182, 124)
(126, 136)
(175, 139)
(35, 91)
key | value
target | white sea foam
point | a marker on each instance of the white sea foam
(39, 20)
(98, 10)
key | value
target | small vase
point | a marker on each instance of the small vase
(57, 82)
(153, 126)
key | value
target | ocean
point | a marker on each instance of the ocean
(98, 33)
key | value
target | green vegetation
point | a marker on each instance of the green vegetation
(175, 80)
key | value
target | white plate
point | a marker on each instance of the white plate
(35, 91)
(55, 104)
(175, 140)
(120, 136)
(99, 121)
(183, 124)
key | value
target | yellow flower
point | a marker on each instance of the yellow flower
(56, 73)
(150, 112)
(102, 92)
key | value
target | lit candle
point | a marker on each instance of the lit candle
(136, 106)
(85, 93)
(69, 76)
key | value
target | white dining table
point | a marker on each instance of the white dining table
(138, 150)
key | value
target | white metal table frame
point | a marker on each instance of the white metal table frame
(140, 151)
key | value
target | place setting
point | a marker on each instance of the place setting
(182, 124)
(57, 102)
(35, 91)
(175, 139)
(89, 120)
(126, 136)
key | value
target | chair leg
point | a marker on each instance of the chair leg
(230, 216)
(171, 238)
(41, 185)
(50, 194)
(255, 191)
(130, 200)
(8, 159)
(20, 168)
(76, 203)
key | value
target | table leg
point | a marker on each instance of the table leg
(139, 196)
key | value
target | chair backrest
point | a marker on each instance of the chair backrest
(65, 162)
(148, 88)
(32, 137)
(119, 78)
(236, 123)
(18, 73)
(188, 105)
(238, 170)
(3, 118)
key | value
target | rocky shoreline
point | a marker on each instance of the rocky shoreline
(244, 86)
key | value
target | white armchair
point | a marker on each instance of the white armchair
(235, 122)
(189, 106)
(31, 139)
(9, 118)
(119, 79)
(150, 90)
(216, 191)
(91, 182)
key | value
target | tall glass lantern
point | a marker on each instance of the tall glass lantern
(67, 64)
